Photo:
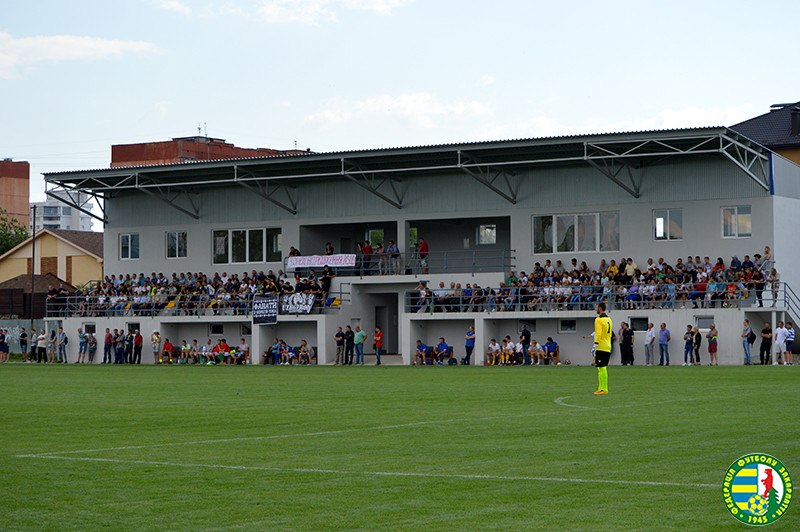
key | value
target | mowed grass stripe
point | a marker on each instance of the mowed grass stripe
(490, 467)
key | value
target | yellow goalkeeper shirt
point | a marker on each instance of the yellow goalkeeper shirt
(602, 332)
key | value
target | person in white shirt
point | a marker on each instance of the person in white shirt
(492, 353)
(649, 345)
(780, 343)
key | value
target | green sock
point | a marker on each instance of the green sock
(603, 378)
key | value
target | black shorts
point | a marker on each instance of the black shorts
(601, 358)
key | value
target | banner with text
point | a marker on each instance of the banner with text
(301, 303)
(318, 261)
(265, 309)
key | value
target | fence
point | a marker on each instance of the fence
(616, 297)
(176, 305)
(414, 263)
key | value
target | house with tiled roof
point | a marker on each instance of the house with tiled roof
(75, 257)
(778, 130)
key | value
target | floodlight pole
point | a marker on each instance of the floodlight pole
(33, 272)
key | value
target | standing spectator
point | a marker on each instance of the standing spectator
(383, 259)
(51, 347)
(155, 339)
(712, 346)
(525, 343)
(649, 344)
(119, 346)
(780, 344)
(366, 249)
(339, 339)
(82, 343)
(91, 344)
(766, 344)
(789, 342)
(626, 344)
(746, 332)
(774, 279)
(688, 346)
(23, 345)
(758, 281)
(4, 351)
(663, 344)
(358, 340)
(129, 347)
(469, 340)
(41, 347)
(138, 342)
(698, 339)
(107, 343)
(394, 258)
(62, 346)
(349, 345)
(422, 253)
(378, 339)
(328, 248)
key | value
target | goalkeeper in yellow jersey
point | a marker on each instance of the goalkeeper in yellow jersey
(602, 336)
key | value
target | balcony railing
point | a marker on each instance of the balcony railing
(174, 305)
(616, 297)
(416, 264)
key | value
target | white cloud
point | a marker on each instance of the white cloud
(174, 5)
(27, 51)
(419, 109)
(283, 11)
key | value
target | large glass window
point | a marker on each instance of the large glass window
(129, 246)
(668, 224)
(576, 232)
(246, 246)
(176, 244)
(736, 222)
(49, 211)
(487, 234)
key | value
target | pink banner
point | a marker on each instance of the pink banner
(318, 261)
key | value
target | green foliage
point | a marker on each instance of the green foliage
(11, 231)
(772, 500)
(466, 448)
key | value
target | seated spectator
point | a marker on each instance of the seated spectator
(242, 353)
(550, 350)
(493, 353)
(536, 352)
(222, 351)
(422, 354)
(306, 353)
(442, 351)
(272, 354)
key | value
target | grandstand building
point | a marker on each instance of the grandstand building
(484, 209)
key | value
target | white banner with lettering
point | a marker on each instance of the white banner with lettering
(318, 261)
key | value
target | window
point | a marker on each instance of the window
(703, 322)
(176, 244)
(487, 235)
(529, 324)
(133, 326)
(216, 329)
(375, 236)
(245, 330)
(567, 326)
(66, 211)
(238, 246)
(638, 324)
(89, 328)
(668, 224)
(50, 211)
(413, 235)
(51, 226)
(129, 246)
(576, 232)
(736, 222)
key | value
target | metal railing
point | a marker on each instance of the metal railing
(174, 305)
(616, 297)
(416, 264)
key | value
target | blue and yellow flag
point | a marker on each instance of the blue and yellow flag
(745, 485)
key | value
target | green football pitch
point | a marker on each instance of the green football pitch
(385, 448)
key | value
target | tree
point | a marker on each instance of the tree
(11, 232)
(773, 503)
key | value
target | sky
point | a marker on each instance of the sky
(328, 75)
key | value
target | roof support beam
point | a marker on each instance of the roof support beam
(76, 204)
(268, 191)
(752, 162)
(168, 198)
(612, 170)
(482, 173)
(372, 181)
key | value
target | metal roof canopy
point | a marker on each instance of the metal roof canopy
(618, 156)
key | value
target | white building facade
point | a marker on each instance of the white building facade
(484, 209)
(55, 214)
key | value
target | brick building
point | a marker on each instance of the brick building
(14, 189)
